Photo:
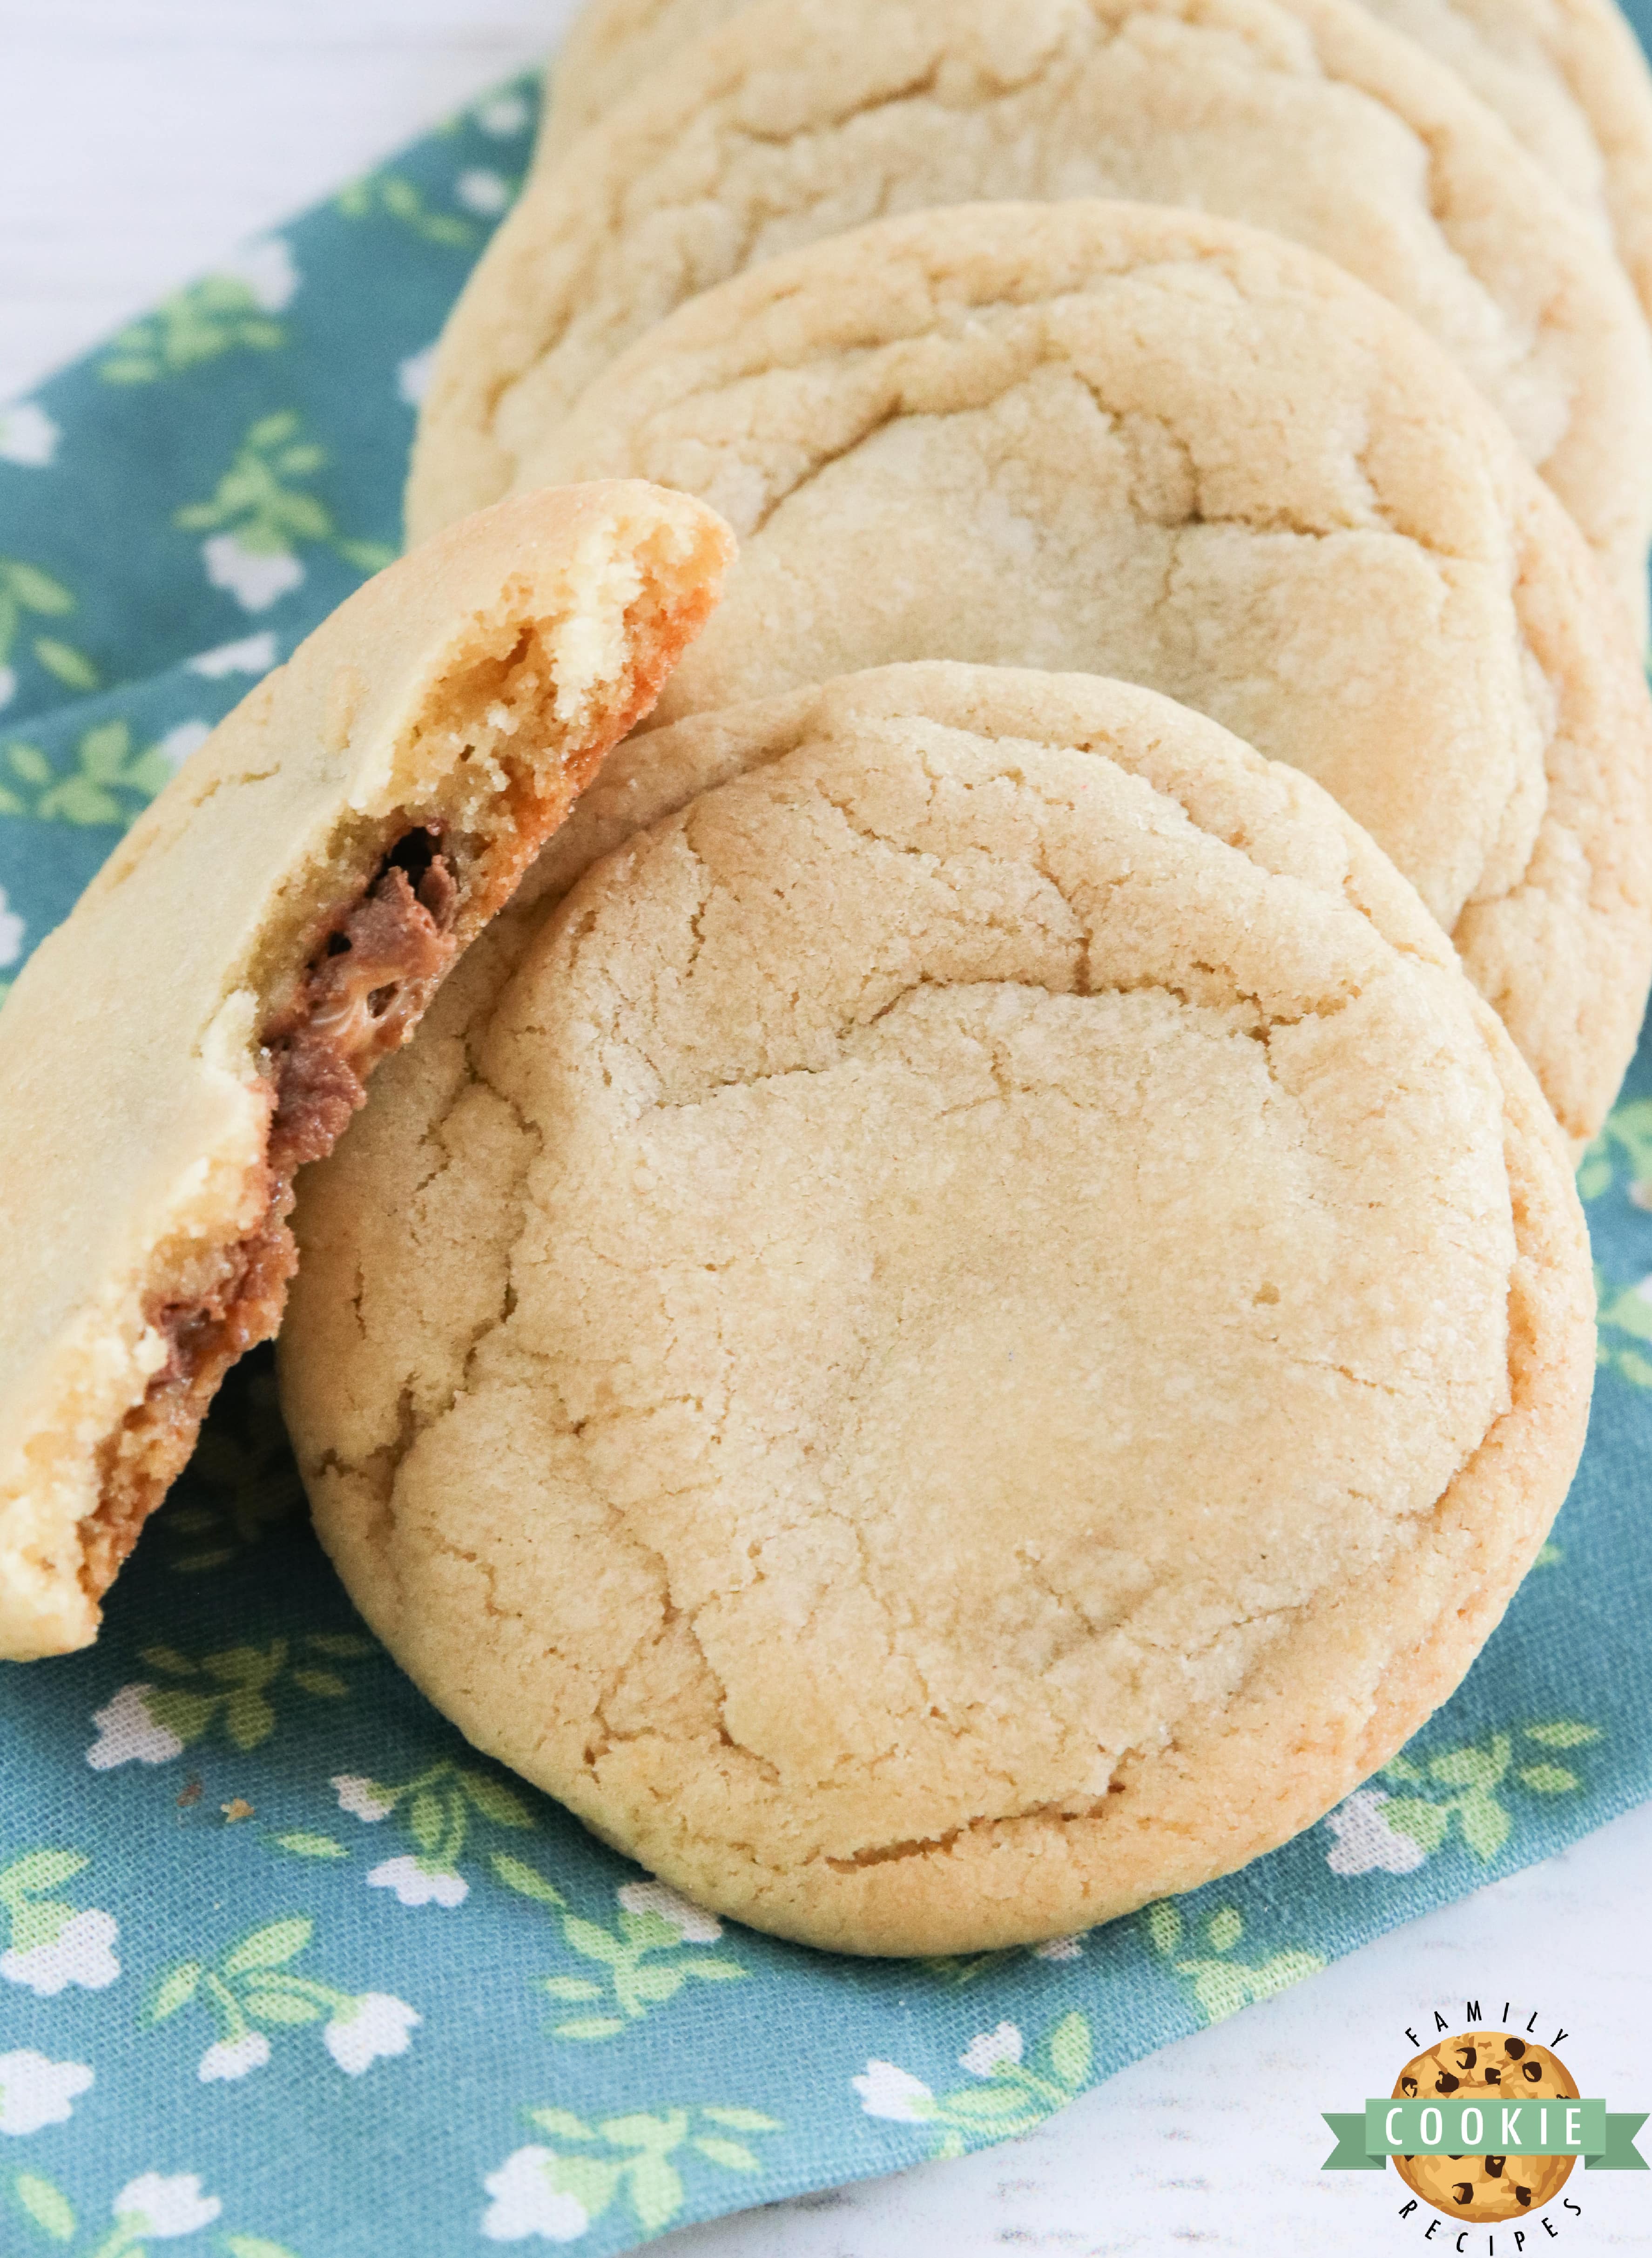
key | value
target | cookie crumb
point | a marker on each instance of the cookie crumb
(237, 1807)
(191, 1794)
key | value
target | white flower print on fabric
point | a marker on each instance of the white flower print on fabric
(988, 2048)
(164, 2209)
(254, 654)
(80, 1953)
(267, 270)
(28, 436)
(1365, 1844)
(258, 1997)
(641, 2170)
(505, 115)
(1058, 1948)
(525, 2202)
(188, 737)
(887, 2091)
(360, 1796)
(10, 931)
(255, 578)
(8, 685)
(373, 2025)
(692, 1923)
(127, 1733)
(256, 1990)
(231, 2058)
(34, 2092)
(413, 376)
(261, 510)
(482, 192)
(414, 1886)
(1011, 2094)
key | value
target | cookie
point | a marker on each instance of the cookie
(1156, 446)
(807, 117)
(1567, 77)
(1005, 1198)
(1570, 80)
(1502, 2069)
(275, 922)
(611, 47)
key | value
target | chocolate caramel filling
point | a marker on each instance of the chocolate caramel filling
(361, 991)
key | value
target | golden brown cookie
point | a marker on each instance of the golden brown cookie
(277, 919)
(967, 1330)
(612, 48)
(1567, 77)
(1570, 79)
(1304, 117)
(1158, 446)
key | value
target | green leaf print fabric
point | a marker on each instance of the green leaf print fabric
(286, 1972)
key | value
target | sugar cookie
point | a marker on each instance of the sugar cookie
(277, 921)
(1570, 80)
(1157, 445)
(1567, 77)
(1307, 117)
(968, 1329)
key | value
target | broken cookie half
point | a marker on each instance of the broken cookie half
(203, 1023)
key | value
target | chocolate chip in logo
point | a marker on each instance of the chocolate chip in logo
(1408, 2087)
(1446, 2082)
(1493, 2074)
(1513, 2049)
(1463, 2192)
(1523, 2195)
(1532, 2072)
(1495, 2167)
(1466, 2057)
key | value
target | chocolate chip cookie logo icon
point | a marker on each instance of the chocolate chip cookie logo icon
(1509, 2072)
(1486, 2126)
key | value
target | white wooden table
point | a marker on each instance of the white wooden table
(138, 140)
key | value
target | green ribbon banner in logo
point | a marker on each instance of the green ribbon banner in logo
(1551, 2126)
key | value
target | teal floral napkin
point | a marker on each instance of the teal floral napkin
(286, 1971)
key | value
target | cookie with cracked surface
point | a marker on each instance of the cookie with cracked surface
(611, 47)
(1567, 77)
(276, 921)
(1155, 446)
(884, 1209)
(1305, 117)
(1570, 80)
(1504, 2073)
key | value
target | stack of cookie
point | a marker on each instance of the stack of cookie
(971, 1308)
(968, 1308)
